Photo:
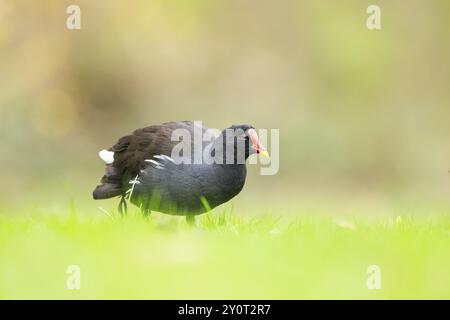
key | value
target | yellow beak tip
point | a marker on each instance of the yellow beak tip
(264, 153)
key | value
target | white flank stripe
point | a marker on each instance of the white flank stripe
(164, 157)
(153, 161)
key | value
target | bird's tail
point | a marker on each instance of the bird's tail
(111, 183)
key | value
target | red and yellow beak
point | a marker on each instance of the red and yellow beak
(256, 145)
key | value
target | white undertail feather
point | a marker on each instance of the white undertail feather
(107, 156)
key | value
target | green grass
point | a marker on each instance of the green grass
(227, 255)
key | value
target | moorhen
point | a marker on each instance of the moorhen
(157, 170)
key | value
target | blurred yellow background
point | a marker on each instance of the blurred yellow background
(362, 114)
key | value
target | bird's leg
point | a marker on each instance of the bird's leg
(123, 206)
(190, 219)
(147, 213)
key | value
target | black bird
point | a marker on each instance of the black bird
(145, 167)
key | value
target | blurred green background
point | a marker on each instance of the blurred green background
(364, 146)
(363, 115)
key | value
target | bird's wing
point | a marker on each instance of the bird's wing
(132, 151)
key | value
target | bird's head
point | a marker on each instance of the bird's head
(244, 135)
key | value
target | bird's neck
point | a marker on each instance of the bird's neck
(229, 151)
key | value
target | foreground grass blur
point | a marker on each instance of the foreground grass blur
(226, 255)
